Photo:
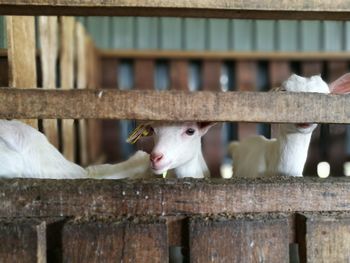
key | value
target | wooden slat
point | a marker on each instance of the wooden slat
(81, 84)
(49, 44)
(324, 237)
(212, 143)
(221, 239)
(176, 106)
(172, 197)
(21, 53)
(307, 55)
(93, 81)
(246, 80)
(22, 240)
(67, 30)
(209, 8)
(113, 241)
(179, 74)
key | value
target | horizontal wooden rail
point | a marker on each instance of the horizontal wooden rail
(222, 55)
(33, 198)
(175, 105)
(272, 9)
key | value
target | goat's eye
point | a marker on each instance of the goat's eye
(190, 131)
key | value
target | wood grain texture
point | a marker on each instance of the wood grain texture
(81, 76)
(21, 54)
(22, 240)
(208, 8)
(175, 105)
(246, 80)
(48, 30)
(179, 74)
(171, 197)
(67, 50)
(324, 237)
(254, 239)
(115, 241)
(306, 55)
(212, 143)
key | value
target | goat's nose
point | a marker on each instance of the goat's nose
(156, 157)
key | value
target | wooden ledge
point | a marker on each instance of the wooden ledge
(175, 105)
(33, 198)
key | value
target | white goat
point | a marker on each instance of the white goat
(257, 156)
(177, 149)
(26, 153)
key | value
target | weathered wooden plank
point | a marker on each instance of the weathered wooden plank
(175, 105)
(171, 197)
(22, 240)
(246, 73)
(48, 26)
(324, 237)
(246, 239)
(212, 143)
(227, 55)
(299, 9)
(81, 84)
(115, 241)
(21, 53)
(67, 50)
(179, 74)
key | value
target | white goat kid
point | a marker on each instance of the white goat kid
(177, 150)
(26, 153)
(287, 154)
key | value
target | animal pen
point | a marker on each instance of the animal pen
(212, 220)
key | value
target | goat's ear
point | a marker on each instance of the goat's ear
(340, 85)
(205, 126)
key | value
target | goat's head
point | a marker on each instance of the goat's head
(297, 83)
(175, 144)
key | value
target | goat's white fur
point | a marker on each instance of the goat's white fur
(287, 154)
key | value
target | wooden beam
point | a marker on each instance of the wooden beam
(22, 240)
(175, 105)
(252, 238)
(324, 237)
(224, 55)
(21, 54)
(115, 240)
(49, 46)
(28, 197)
(273, 9)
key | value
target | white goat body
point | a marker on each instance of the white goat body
(257, 156)
(26, 153)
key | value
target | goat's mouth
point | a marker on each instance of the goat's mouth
(303, 125)
(160, 168)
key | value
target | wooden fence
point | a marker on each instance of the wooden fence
(262, 220)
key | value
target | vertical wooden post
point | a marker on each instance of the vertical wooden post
(82, 84)
(67, 81)
(212, 144)
(21, 54)
(179, 74)
(246, 80)
(49, 45)
(23, 240)
(93, 82)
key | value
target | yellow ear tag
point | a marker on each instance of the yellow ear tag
(140, 131)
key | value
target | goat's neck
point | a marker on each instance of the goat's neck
(292, 149)
(196, 167)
